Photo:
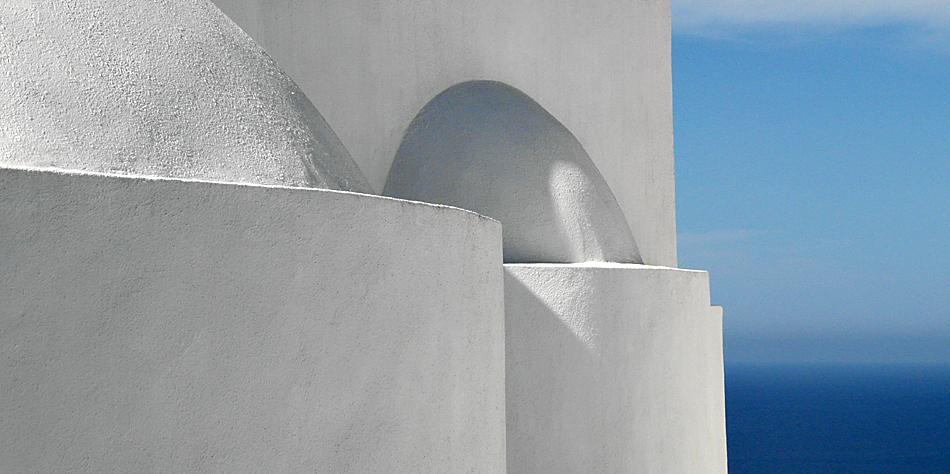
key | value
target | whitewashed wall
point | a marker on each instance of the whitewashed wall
(170, 326)
(173, 89)
(613, 369)
(601, 68)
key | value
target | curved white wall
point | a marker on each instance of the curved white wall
(602, 68)
(169, 326)
(172, 89)
(613, 369)
(487, 147)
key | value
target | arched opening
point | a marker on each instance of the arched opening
(488, 147)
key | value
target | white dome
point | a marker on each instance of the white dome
(487, 147)
(170, 89)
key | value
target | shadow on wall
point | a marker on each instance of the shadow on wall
(549, 350)
(487, 147)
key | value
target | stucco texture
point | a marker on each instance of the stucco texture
(487, 147)
(613, 369)
(156, 88)
(154, 325)
(602, 68)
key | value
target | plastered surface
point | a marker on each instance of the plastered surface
(613, 369)
(601, 68)
(170, 326)
(487, 147)
(157, 88)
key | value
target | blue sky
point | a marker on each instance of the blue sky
(812, 147)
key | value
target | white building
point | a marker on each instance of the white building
(196, 275)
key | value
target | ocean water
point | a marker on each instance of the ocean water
(838, 419)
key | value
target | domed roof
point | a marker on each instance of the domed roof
(170, 89)
(487, 147)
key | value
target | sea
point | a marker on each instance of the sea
(838, 419)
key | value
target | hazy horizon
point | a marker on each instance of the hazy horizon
(812, 148)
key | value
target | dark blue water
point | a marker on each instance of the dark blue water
(838, 419)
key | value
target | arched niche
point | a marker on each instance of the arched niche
(487, 147)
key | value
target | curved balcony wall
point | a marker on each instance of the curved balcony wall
(157, 325)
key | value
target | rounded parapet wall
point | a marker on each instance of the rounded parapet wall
(172, 89)
(487, 147)
(158, 325)
(613, 369)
